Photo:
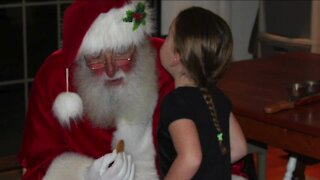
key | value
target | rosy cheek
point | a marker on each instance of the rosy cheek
(126, 67)
(99, 72)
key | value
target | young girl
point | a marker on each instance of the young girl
(198, 136)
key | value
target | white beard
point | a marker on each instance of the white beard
(129, 107)
(135, 97)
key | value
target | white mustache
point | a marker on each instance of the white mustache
(119, 74)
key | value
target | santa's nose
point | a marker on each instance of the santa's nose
(110, 67)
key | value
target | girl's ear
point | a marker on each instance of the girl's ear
(176, 59)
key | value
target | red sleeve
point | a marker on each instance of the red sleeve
(41, 144)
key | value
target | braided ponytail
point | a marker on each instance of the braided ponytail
(213, 113)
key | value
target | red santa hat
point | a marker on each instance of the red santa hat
(91, 25)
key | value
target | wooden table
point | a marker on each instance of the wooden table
(253, 84)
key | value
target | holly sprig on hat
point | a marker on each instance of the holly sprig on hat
(137, 16)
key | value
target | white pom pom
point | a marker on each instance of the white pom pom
(66, 107)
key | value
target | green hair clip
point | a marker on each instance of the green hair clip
(138, 16)
(219, 136)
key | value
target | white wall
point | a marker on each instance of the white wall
(240, 16)
(242, 21)
(315, 27)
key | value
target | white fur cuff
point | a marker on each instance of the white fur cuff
(70, 166)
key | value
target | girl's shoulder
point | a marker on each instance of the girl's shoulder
(182, 94)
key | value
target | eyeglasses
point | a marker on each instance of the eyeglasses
(98, 60)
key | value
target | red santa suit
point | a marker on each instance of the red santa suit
(51, 143)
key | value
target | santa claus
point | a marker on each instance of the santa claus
(102, 86)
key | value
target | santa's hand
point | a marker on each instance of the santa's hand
(114, 166)
(121, 169)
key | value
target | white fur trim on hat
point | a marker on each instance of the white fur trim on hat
(109, 31)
